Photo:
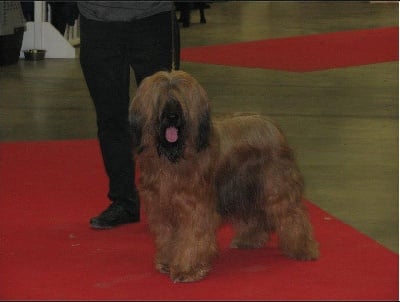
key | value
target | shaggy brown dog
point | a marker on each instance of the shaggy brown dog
(195, 174)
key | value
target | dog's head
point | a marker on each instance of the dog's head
(171, 112)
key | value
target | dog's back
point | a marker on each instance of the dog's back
(245, 130)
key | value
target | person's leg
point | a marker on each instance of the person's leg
(106, 69)
(154, 45)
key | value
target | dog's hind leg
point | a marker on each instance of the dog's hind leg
(240, 183)
(251, 233)
(295, 235)
(288, 213)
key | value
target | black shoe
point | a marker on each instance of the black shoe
(113, 216)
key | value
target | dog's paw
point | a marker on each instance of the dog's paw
(311, 255)
(311, 252)
(191, 276)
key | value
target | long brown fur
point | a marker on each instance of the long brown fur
(239, 170)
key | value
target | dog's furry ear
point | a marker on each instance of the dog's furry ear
(136, 122)
(203, 136)
(139, 112)
(201, 103)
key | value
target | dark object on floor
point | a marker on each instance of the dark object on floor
(34, 54)
(185, 9)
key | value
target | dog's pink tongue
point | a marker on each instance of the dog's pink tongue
(171, 134)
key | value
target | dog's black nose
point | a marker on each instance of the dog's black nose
(172, 117)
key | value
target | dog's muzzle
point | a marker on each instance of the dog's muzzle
(171, 130)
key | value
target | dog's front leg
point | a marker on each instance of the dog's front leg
(161, 227)
(195, 244)
(163, 244)
(193, 260)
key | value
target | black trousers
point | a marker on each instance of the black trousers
(107, 51)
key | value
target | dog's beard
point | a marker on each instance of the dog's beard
(171, 141)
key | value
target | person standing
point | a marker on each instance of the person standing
(115, 36)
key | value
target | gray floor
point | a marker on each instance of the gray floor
(342, 123)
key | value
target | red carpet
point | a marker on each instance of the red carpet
(304, 53)
(47, 251)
